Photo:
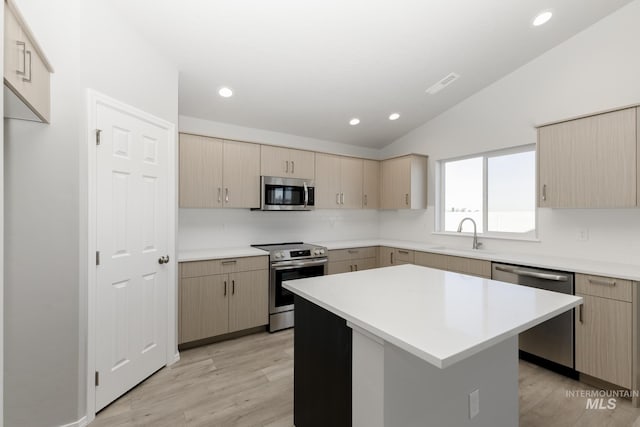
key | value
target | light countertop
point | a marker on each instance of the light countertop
(219, 253)
(584, 266)
(438, 316)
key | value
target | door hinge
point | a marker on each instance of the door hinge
(98, 131)
(97, 257)
(97, 378)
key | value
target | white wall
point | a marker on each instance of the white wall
(595, 70)
(213, 228)
(45, 214)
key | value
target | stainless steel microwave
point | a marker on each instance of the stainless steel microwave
(287, 194)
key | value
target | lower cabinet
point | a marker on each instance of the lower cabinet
(353, 259)
(217, 304)
(604, 329)
(471, 266)
(394, 256)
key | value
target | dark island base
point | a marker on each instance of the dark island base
(322, 367)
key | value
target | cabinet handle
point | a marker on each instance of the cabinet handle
(233, 287)
(225, 288)
(337, 198)
(544, 193)
(602, 282)
(293, 166)
(356, 266)
(226, 195)
(287, 166)
(28, 79)
(233, 261)
(406, 199)
(342, 198)
(351, 268)
(24, 58)
(365, 200)
(580, 313)
(219, 195)
(391, 257)
(403, 252)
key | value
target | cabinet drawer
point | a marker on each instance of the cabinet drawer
(404, 256)
(223, 266)
(352, 253)
(606, 287)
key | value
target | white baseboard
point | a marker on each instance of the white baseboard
(82, 422)
(176, 358)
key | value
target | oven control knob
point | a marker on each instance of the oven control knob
(278, 255)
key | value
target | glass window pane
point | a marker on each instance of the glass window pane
(511, 193)
(463, 193)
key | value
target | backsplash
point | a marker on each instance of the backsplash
(216, 228)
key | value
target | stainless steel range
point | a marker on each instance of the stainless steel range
(290, 261)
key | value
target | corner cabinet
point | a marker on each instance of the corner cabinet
(216, 173)
(604, 329)
(395, 256)
(404, 183)
(338, 182)
(589, 162)
(217, 297)
(27, 72)
(353, 259)
(287, 162)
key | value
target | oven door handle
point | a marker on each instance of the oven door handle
(286, 265)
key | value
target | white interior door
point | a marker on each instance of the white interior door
(132, 223)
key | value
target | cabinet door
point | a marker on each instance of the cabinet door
(302, 164)
(351, 183)
(327, 192)
(396, 183)
(589, 162)
(371, 184)
(474, 267)
(336, 267)
(403, 256)
(249, 302)
(241, 175)
(365, 264)
(200, 172)
(603, 340)
(14, 60)
(204, 307)
(274, 161)
(386, 256)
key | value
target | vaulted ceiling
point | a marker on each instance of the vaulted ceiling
(308, 67)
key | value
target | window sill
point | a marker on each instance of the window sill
(485, 236)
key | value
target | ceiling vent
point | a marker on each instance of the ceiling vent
(443, 83)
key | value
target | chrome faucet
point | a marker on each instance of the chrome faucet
(476, 244)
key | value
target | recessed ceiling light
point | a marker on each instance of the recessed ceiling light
(394, 116)
(225, 92)
(542, 18)
(354, 121)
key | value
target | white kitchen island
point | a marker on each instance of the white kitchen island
(421, 342)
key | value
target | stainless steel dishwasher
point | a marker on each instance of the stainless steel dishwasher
(552, 340)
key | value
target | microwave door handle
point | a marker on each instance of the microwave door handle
(306, 194)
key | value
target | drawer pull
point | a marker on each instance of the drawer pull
(233, 287)
(403, 252)
(225, 288)
(233, 261)
(602, 282)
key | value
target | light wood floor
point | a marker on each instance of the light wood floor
(249, 382)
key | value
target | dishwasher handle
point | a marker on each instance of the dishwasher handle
(533, 273)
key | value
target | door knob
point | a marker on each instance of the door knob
(163, 259)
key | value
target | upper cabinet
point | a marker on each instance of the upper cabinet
(338, 182)
(590, 162)
(371, 184)
(216, 173)
(287, 162)
(404, 183)
(27, 72)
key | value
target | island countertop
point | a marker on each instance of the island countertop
(438, 316)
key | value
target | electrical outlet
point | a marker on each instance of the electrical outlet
(474, 403)
(583, 234)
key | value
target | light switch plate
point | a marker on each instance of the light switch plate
(474, 403)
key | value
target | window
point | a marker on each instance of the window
(495, 189)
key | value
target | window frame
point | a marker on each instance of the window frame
(440, 194)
